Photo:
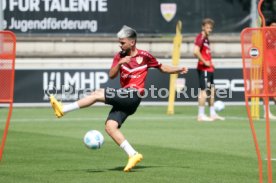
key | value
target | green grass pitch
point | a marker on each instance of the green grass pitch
(41, 148)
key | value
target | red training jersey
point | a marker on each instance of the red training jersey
(270, 55)
(133, 74)
(205, 50)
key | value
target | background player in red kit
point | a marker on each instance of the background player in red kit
(271, 57)
(132, 65)
(205, 70)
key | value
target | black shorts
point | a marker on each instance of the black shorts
(271, 75)
(124, 101)
(206, 79)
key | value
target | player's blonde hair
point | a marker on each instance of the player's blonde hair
(127, 32)
(208, 21)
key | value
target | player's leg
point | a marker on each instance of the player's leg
(201, 102)
(124, 104)
(96, 96)
(271, 83)
(112, 128)
(270, 115)
(114, 121)
(213, 114)
(60, 110)
(210, 92)
(211, 98)
(271, 76)
(202, 93)
(202, 97)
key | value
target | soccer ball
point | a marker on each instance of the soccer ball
(93, 139)
(219, 105)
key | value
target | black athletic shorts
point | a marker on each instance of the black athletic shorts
(271, 73)
(124, 101)
(206, 79)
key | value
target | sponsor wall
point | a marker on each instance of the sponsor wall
(107, 16)
(33, 86)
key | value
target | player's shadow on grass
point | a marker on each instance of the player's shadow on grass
(121, 168)
(94, 171)
(83, 170)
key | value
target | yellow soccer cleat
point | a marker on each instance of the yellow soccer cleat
(57, 106)
(132, 162)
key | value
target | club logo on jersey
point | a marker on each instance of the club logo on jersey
(168, 11)
(254, 52)
(139, 60)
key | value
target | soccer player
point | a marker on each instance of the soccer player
(270, 38)
(205, 70)
(132, 65)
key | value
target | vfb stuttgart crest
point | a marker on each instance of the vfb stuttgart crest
(168, 11)
(139, 60)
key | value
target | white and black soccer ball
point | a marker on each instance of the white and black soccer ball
(219, 105)
(93, 139)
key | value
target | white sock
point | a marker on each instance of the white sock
(128, 148)
(70, 107)
(212, 111)
(201, 110)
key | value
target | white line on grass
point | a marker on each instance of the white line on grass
(272, 159)
(130, 118)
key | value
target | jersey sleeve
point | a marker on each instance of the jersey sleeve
(116, 60)
(199, 41)
(152, 62)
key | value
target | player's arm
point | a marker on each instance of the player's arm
(173, 70)
(116, 68)
(198, 55)
(152, 62)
